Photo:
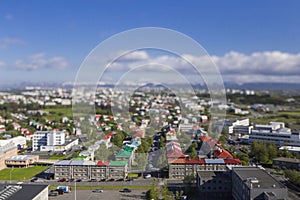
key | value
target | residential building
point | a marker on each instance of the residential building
(24, 192)
(47, 138)
(88, 154)
(69, 143)
(275, 133)
(21, 160)
(230, 124)
(118, 169)
(6, 151)
(214, 185)
(86, 170)
(255, 183)
(181, 167)
(287, 163)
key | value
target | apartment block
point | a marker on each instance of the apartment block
(47, 138)
(255, 183)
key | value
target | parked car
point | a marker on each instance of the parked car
(78, 180)
(126, 190)
(97, 191)
(62, 180)
(53, 193)
(93, 180)
(147, 176)
(34, 179)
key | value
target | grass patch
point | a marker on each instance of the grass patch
(21, 173)
(57, 113)
(57, 157)
(133, 175)
(292, 114)
(106, 187)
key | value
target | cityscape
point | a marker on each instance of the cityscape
(115, 100)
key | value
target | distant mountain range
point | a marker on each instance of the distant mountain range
(287, 87)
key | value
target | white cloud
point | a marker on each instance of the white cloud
(2, 64)
(266, 66)
(264, 63)
(135, 56)
(7, 41)
(39, 61)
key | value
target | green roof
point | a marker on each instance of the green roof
(115, 163)
(123, 154)
(79, 157)
(128, 148)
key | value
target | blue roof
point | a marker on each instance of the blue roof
(214, 161)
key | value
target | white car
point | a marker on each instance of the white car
(147, 176)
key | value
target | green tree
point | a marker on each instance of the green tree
(293, 176)
(166, 193)
(153, 193)
(193, 153)
(273, 151)
(103, 153)
(117, 140)
(178, 195)
(243, 157)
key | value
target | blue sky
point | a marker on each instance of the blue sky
(46, 41)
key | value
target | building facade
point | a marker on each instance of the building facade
(47, 138)
(287, 163)
(21, 160)
(275, 133)
(214, 184)
(6, 151)
(87, 170)
(181, 167)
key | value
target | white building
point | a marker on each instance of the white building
(47, 138)
(229, 125)
(18, 141)
(275, 133)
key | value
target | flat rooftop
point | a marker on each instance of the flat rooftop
(291, 160)
(17, 192)
(212, 174)
(259, 178)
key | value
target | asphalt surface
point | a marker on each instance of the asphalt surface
(107, 194)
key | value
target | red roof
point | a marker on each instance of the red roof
(222, 154)
(107, 136)
(176, 154)
(187, 161)
(233, 161)
(102, 163)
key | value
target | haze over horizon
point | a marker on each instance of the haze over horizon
(250, 42)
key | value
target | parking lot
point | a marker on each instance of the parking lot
(107, 194)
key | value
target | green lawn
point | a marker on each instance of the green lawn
(56, 113)
(293, 114)
(57, 157)
(21, 173)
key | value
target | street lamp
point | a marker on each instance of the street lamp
(10, 175)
